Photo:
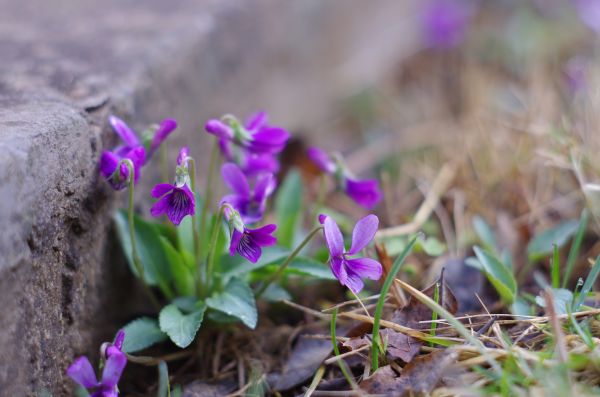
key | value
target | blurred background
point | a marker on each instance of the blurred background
(505, 92)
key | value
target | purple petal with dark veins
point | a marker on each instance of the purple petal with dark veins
(181, 203)
(354, 282)
(161, 189)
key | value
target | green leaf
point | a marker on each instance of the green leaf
(498, 274)
(542, 244)
(182, 276)
(288, 207)
(142, 333)
(276, 293)
(152, 256)
(180, 328)
(185, 235)
(235, 266)
(485, 233)
(236, 300)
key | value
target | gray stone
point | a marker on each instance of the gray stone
(67, 64)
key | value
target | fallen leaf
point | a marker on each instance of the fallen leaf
(307, 355)
(420, 376)
(399, 345)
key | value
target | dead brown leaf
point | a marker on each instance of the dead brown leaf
(420, 376)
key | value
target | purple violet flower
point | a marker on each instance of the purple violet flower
(351, 271)
(445, 22)
(250, 204)
(365, 193)
(82, 372)
(177, 200)
(111, 166)
(256, 136)
(249, 242)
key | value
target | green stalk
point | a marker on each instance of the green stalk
(134, 252)
(208, 188)
(381, 301)
(555, 269)
(197, 250)
(210, 261)
(288, 260)
(434, 315)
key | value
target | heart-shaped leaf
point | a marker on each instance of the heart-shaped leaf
(236, 300)
(142, 333)
(180, 327)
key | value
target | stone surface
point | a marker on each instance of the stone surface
(67, 64)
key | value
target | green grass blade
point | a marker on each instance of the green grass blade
(384, 291)
(336, 350)
(555, 271)
(589, 283)
(574, 251)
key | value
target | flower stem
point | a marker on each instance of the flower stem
(208, 187)
(210, 260)
(196, 235)
(134, 252)
(288, 260)
(164, 162)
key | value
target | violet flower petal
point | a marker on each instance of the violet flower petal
(365, 268)
(160, 207)
(321, 160)
(263, 235)
(363, 233)
(108, 163)
(113, 368)
(119, 339)
(183, 154)
(164, 130)
(81, 371)
(354, 282)
(269, 140)
(589, 13)
(338, 269)
(235, 179)
(248, 248)
(219, 129)
(181, 203)
(333, 237)
(256, 121)
(265, 186)
(365, 193)
(123, 130)
(161, 189)
(236, 236)
(256, 163)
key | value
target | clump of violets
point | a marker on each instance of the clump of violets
(175, 200)
(112, 167)
(252, 145)
(82, 372)
(245, 241)
(366, 193)
(351, 271)
(445, 22)
(249, 203)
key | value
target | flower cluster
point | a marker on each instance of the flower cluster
(112, 166)
(82, 372)
(364, 192)
(253, 145)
